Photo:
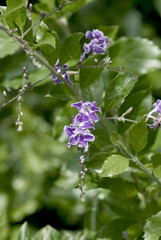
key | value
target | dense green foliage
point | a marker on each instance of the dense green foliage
(39, 174)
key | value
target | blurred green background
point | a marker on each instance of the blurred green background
(38, 173)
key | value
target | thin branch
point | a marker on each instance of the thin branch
(107, 66)
(121, 119)
(20, 94)
(137, 161)
(62, 5)
(29, 51)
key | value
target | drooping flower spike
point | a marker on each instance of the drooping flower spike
(79, 134)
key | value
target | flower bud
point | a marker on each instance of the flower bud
(10, 92)
(85, 170)
(4, 96)
(96, 60)
(30, 7)
(30, 19)
(26, 4)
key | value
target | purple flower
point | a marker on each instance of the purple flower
(82, 121)
(78, 132)
(157, 106)
(62, 71)
(78, 136)
(98, 43)
(157, 115)
(88, 108)
(155, 124)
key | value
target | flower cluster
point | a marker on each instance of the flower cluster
(78, 132)
(156, 110)
(98, 43)
(62, 71)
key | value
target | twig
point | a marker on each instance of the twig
(121, 119)
(107, 66)
(20, 94)
(136, 160)
(29, 51)
(42, 18)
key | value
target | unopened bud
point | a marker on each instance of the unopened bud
(30, 19)
(15, 30)
(86, 150)
(28, 82)
(30, 7)
(103, 61)
(26, 4)
(19, 98)
(85, 170)
(10, 92)
(4, 96)
(81, 173)
(80, 146)
(23, 70)
(41, 14)
(82, 178)
(96, 60)
(128, 111)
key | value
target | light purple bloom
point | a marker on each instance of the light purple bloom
(98, 43)
(155, 124)
(157, 115)
(78, 136)
(157, 106)
(78, 132)
(82, 121)
(88, 108)
(62, 71)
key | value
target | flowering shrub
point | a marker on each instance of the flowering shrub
(106, 108)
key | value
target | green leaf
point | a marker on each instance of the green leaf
(118, 186)
(49, 43)
(89, 75)
(7, 46)
(48, 233)
(24, 232)
(16, 14)
(72, 8)
(61, 91)
(109, 31)
(140, 98)
(118, 89)
(114, 165)
(156, 160)
(70, 48)
(94, 92)
(117, 139)
(152, 227)
(138, 136)
(137, 55)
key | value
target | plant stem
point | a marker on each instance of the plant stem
(121, 119)
(20, 94)
(31, 52)
(136, 160)
(42, 18)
